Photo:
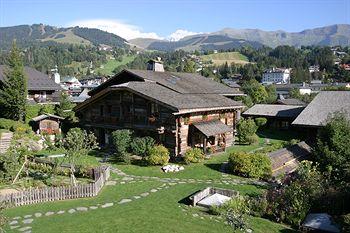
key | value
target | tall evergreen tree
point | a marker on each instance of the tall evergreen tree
(13, 92)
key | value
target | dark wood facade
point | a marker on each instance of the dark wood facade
(123, 109)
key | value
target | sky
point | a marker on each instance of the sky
(174, 19)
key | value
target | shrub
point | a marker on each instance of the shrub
(345, 219)
(194, 155)
(9, 166)
(246, 128)
(158, 155)
(255, 165)
(121, 140)
(258, 205)
(235, 211)
(260, 121)
(14, 126)
(253, 139)
(141, 146)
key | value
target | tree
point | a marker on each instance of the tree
(65, 108)
(121, 140)
(3, 219)
(246, 129)
(255, 90)
(332, 149)
(189, 67)
(271, 94)
(78, 143)
(13, 93)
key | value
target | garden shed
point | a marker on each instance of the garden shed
(46, 123)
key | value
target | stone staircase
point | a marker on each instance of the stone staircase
(5, 141)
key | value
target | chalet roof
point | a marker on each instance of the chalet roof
(36, 81)
(291, 101)
(211, 128)
(323, 106)
(185, 83)
(274, 110)
(181, 102)
(45, 116)
(286, 160)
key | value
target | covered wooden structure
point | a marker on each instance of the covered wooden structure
(46, 123)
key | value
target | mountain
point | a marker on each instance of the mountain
(26, 35)
(195, 42)
(338, 34)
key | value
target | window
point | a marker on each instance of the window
(101, 110)
(109, 110)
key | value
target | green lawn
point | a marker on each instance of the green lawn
(166, 210)
(163, 211)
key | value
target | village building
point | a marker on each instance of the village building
(322, 107)
(277, 115)
(179, 110)
(276, 75)
(46, 123)
(41, 88)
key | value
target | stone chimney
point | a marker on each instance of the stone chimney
(155, 65)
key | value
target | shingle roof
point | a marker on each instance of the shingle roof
(291, 102)
(323, 106)
(274, 110)
(185, 83)
(211, 128)
(35, 80)
(181, 102)
(286, 160)
(44, 116)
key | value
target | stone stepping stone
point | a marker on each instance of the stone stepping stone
(28, 216)
(154, 190)
(28, 221)
(38, 215)
(13, 227)
(123, 182)
(182, 182)
(144, 194)
(61, 212)
(93, 207)
(172, 183)
(124, 201)
(137, 197)
(16, 218)
(28, 232)
(111, 182)
(82, 208)
(127, 178)
(24, 228)
(107, 205)
(166, 187)
(13, 222)
(195, 215)
(71, 211)
(49, 213)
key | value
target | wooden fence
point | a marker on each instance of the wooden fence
(32, 196)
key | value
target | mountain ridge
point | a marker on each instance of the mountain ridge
(332, 35)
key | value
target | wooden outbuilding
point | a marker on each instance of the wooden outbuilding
(47, 123)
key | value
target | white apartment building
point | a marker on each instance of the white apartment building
(276, 76)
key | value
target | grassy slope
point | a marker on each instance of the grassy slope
(229, 57)
(69, 38)
(111, 64)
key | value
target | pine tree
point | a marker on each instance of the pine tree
(65, 108)
(13, 93)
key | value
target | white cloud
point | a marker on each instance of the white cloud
(127, 31)
(181, 33)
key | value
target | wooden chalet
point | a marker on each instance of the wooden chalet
(46, 123)
(179, 110)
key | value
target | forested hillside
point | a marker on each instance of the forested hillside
(36, 34)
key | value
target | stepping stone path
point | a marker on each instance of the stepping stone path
(144, 194)
(111, 182)
(107, 205)
(28, 221)
(13, 227)
(93, 207)
(82, 208)
(28, 216)
(137, 197)
(61, 212)
(49, 213)
(37, 215)
(13, 222)
(124, 201)
(24, 228)
(154, 190)
(71, 211)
